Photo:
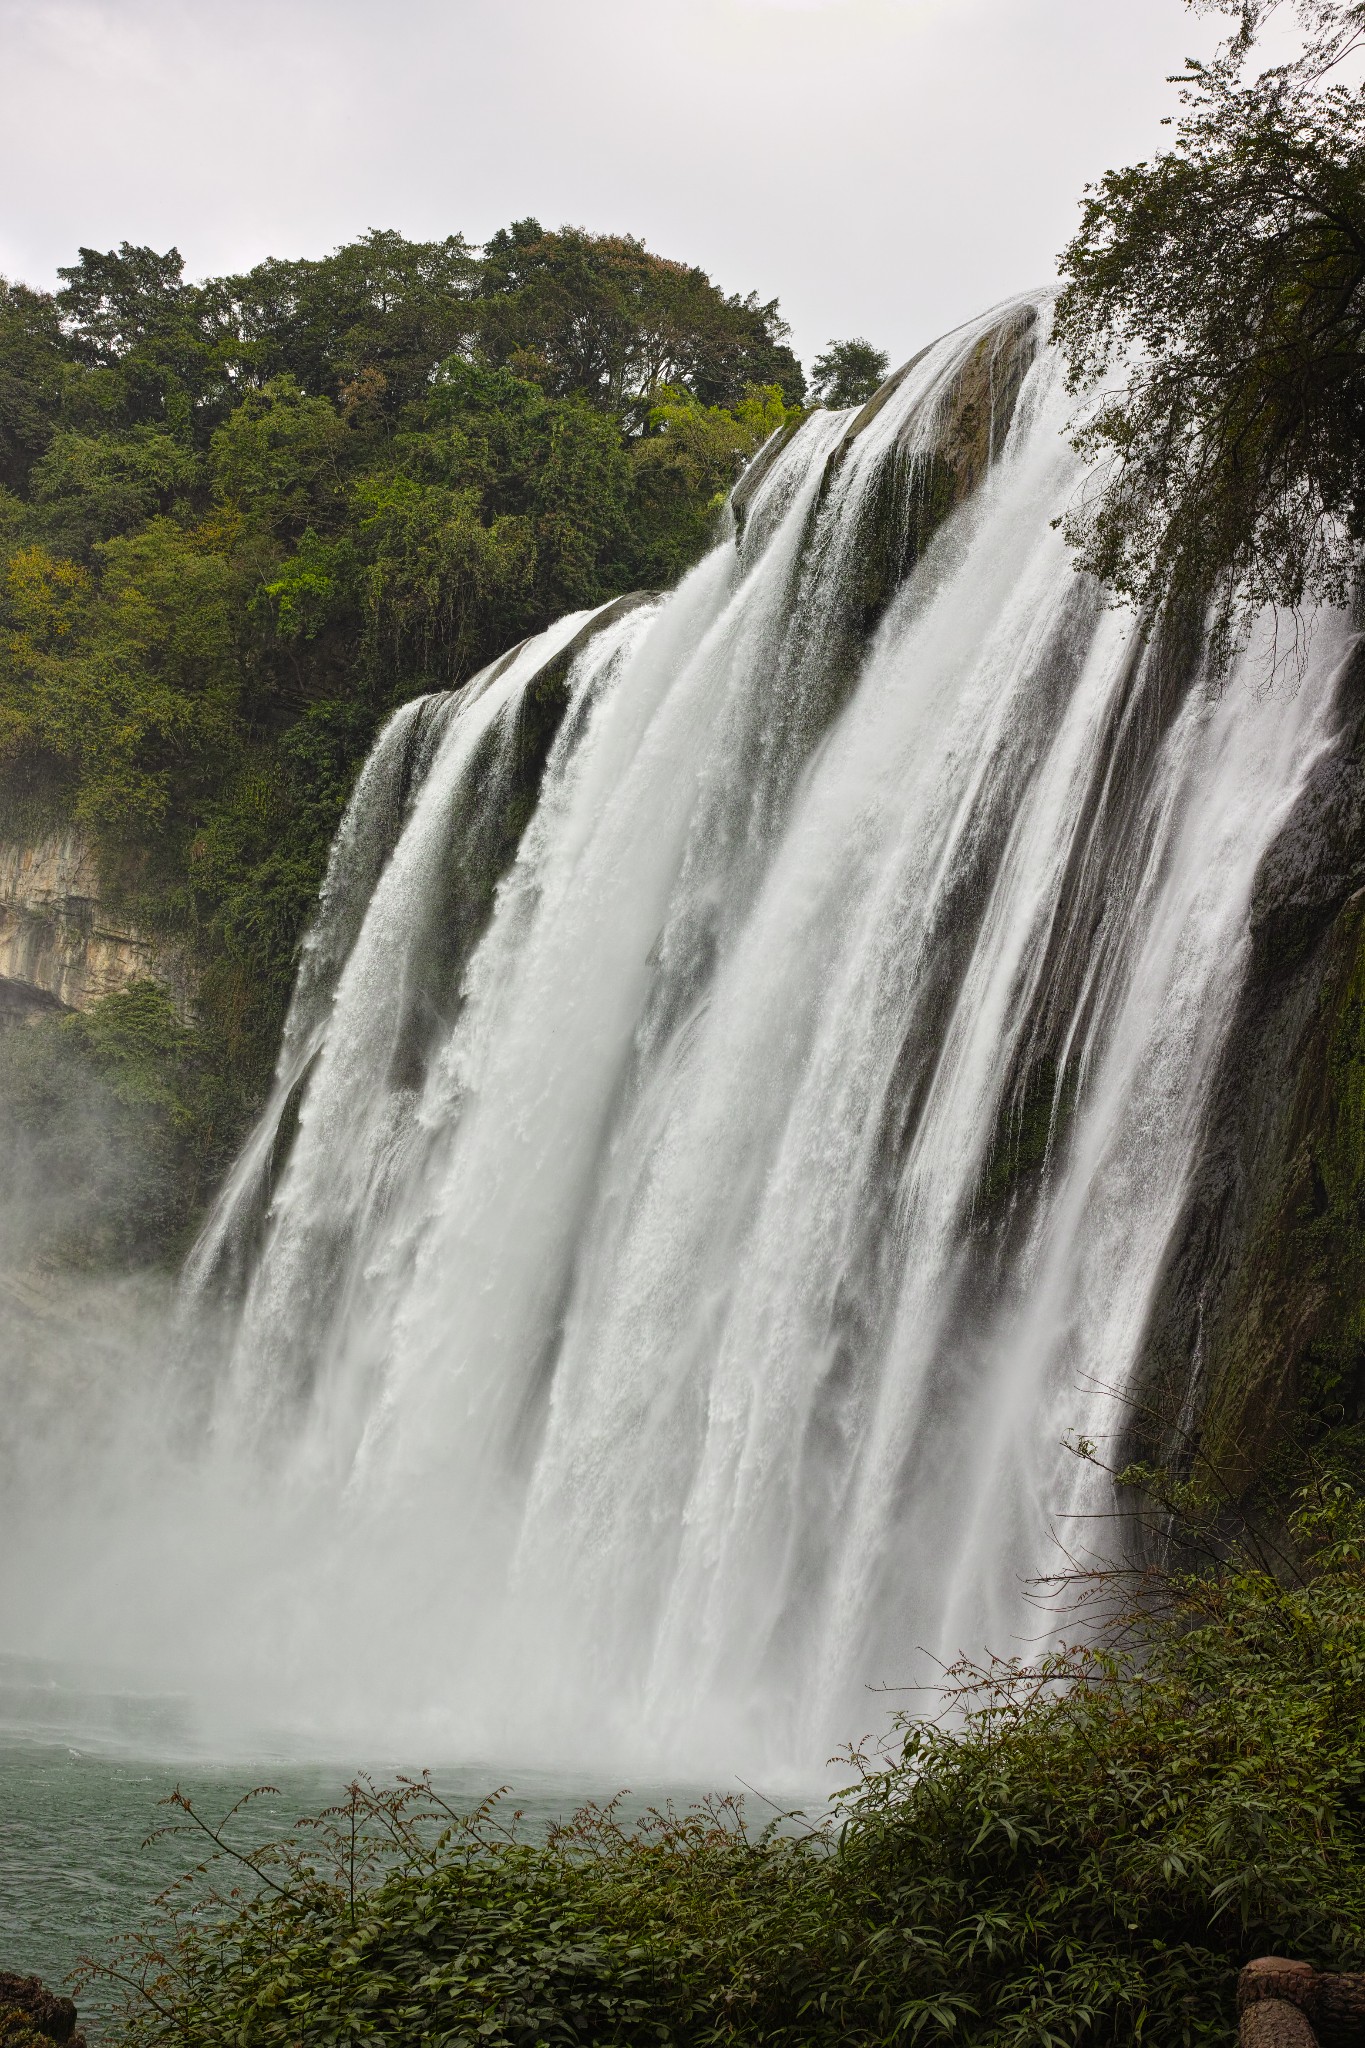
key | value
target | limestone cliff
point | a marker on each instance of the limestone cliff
(61, 948)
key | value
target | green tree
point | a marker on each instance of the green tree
(599, 317)
(86, 487)
(1226, 280)
(279, 459)
(121, 683)
(367, 325)
(33, 365)
(582, 498)
(157, 342)
(848, 372)
(1332, 30)
(683, 467)
(431, 570)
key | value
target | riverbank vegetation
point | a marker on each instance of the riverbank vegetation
(242, 519)
(1087, 1849)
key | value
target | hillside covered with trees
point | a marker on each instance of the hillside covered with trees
(241, 520)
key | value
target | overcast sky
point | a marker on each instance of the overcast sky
(885, 167)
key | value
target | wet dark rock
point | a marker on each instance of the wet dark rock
(508, 775)
(746, 490)
(980, 406)
(1318, 860)
(932, 465)
(914, 493)
(29, 2012)
(1258, 1324)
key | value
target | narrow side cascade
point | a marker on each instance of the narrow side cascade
(742, 1084)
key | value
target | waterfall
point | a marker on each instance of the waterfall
(741, 1085)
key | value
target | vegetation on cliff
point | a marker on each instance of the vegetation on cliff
(1087, 1850)
(1227, 278)
(103, 1121)
(241, 520)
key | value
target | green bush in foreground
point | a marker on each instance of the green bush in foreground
(1082, 1852)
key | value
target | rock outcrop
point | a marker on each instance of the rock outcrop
(61, 947)
(915, 492)
(31, 2016)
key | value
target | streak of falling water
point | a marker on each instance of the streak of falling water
(659, 1329)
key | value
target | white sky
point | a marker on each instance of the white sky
(886, 167)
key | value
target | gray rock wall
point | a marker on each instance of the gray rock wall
(61, 948)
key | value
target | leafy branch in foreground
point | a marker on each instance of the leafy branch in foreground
(1084, 1847)
(1226, 280)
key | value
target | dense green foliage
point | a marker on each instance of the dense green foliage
(1230, 273)
(1084, 1851)
(848, 372)
(241, 520)
(17, 2030)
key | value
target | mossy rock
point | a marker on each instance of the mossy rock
(914, 493)
(1033, 1119)
(1295, 1339)
(21, 2030)
(31, 2016)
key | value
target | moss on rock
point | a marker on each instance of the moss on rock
(914, 493)
(1032, 1117)
(1291, 1352)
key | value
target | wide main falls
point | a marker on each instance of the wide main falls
(742, 1083)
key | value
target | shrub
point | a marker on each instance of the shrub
(1084, 1849)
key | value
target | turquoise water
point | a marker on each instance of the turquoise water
(75, 1866)
(84, 1770)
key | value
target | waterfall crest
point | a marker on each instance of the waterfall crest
(740, 1089)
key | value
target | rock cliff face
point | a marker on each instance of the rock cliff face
(60, 947)
(1258, 1328)
(917, 488)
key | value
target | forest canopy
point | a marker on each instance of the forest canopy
(242, 519)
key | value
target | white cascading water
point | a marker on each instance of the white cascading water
(646, 1348)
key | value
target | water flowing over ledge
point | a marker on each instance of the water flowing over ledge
(740, 1091)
